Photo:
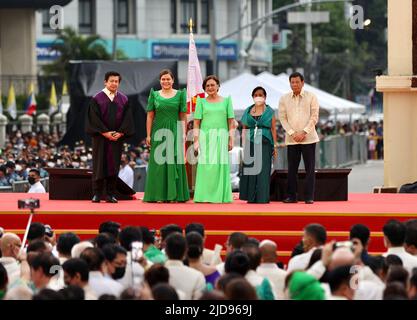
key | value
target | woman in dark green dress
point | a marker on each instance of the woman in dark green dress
(259, 146)
(166, 178)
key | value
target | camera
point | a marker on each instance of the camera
(137, 252)
(28, 204)
(48, 231)
(345, 244)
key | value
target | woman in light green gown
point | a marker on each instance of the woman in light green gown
(213, 139)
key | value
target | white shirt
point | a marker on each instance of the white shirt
(185, 279)
(134, 274)
(12, 267)
(208, 257)
(100, 284)
(37, 187)
(275, 275)
(126, 174)
(409, 261)
(300, 261)
(109, 94)
(299, 113)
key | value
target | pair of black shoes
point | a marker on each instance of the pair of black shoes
(109, 198)
(292, 200)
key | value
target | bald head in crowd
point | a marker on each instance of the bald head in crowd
(341, 257)
(268, 251)
(10, 245)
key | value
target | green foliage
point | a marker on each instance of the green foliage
(346, 58)
(73, 46)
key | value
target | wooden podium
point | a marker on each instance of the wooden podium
(76, 184)
(331, 185)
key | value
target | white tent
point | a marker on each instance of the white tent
(334, 104)
(240, 89)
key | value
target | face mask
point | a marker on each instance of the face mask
(259, 100)
(31, 180)
(83, 158)
(118, 273)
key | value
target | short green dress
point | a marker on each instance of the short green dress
(213, 168)
(257, 157)
(166, 178)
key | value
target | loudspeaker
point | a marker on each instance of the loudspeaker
(76, 184)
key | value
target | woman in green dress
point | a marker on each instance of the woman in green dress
(213, 138)
(166, 178)
(259, 138)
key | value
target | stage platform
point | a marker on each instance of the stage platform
(280, 222)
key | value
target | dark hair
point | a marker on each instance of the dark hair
(194, 245)
(175, 246)
(72, 293)
(211, 77)
(111, 251)
(316, 256)
(397, 273)
(296, 75)
(128, 235)
(254, 255)
(76, 265)
(298, 249)
(36, 231)
(38, 173)
(317, 231)
(237, 239)
(378, 263)
(212, 295)
(4, 279)
(163, 291)
(107, 297)
(65, 243)
(339, 276)
(45, 261)
(195, 226)
(393, 260)
(411, 233)
(157, 273)
(361, 232)
(240, 289)
(225, 279)
(168, 229)
(110, 227)
(394, 230)
(94, 258)
(166, 71)
(37, 246)
(112, 74)
(103, 239)
(148, 237)
(259, 88)
(395, 291)
(237, 261)
(48, 294)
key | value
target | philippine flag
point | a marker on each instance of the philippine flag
(31, 101)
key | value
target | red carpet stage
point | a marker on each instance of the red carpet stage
(280, 222)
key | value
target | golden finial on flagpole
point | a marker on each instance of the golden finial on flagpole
(190, 24)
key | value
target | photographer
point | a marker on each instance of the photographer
(35, 182)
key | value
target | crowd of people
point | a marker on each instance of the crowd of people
(173, 263)
(40, 150)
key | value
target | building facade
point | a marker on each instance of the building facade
(158, 29)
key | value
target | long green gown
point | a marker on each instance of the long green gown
(255, 179)
(166, 178)
(213, 168)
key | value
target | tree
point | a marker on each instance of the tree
(73, 46)
(344, 58)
